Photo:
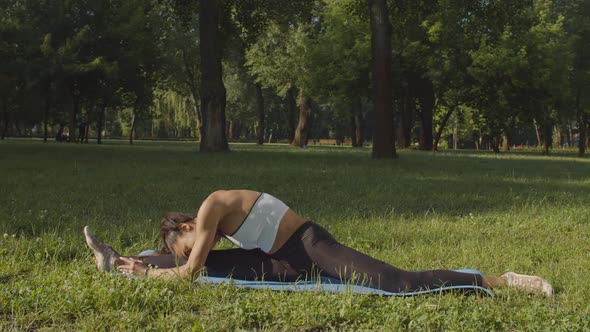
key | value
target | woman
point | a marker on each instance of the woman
(291, 247)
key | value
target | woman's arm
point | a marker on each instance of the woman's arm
(210, 213)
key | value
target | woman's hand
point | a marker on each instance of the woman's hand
(132, 266)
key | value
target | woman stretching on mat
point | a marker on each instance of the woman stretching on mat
(280, 245)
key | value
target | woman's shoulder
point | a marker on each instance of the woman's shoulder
(232, 196)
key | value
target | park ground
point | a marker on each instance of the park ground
(509, 212)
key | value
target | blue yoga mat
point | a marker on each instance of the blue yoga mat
(331, 285)
(334, 286)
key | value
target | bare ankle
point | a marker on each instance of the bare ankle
(494, 281)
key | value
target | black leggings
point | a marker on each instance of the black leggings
(312, 251)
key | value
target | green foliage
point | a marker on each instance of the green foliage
(511, 62)
(278, 58)
(340, 56)
(517, 212)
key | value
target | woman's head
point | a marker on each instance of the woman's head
(176, 231)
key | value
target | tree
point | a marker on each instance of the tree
(214, 137)
(384, 136)
(339, 64)
(279, 61)
(578, 27)
(181, 51)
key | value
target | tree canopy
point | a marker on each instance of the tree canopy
(473, 74)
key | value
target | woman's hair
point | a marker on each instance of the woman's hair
(169, 229)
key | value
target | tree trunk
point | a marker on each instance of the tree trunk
(581, 124)
(547, 136)
(132, 129)
(291, 106)
(440, 130)
(456, 135)
(214, 137)
(73, 116)
(505, 143)
(495, 143)
(568, 134)
(384, 131)
(583, 140)
(192, 83)
(100, 124)
(360, 130)
(558, 137)
(357, 130)
(405, 120)
(236, 130)
(133, 118)
(303, 126)
(353, 129)
(46, 117)
(18, 132)
(587, 130)
(90, 111)
(427, 100)
(4, 117)
(538, 132)
(261, 123)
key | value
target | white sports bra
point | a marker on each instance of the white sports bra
(259, 228)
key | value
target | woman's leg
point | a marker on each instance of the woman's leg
(312, 247)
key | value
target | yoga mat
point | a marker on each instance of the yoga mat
(334, 286)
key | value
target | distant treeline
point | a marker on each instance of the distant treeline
(466, 74)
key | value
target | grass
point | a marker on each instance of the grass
(519, 211)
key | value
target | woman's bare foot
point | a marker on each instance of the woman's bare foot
(104, 255)
(531, 284)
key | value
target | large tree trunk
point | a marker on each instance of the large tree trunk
(440, 130)
(214, 137)
(384, 131)
(261, 123)
(427, 100)
(291, 106)
(581, 117)
(303, 126)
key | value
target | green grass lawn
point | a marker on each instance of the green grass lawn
(512, 212)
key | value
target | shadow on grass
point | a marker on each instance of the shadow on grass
(77, 183)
